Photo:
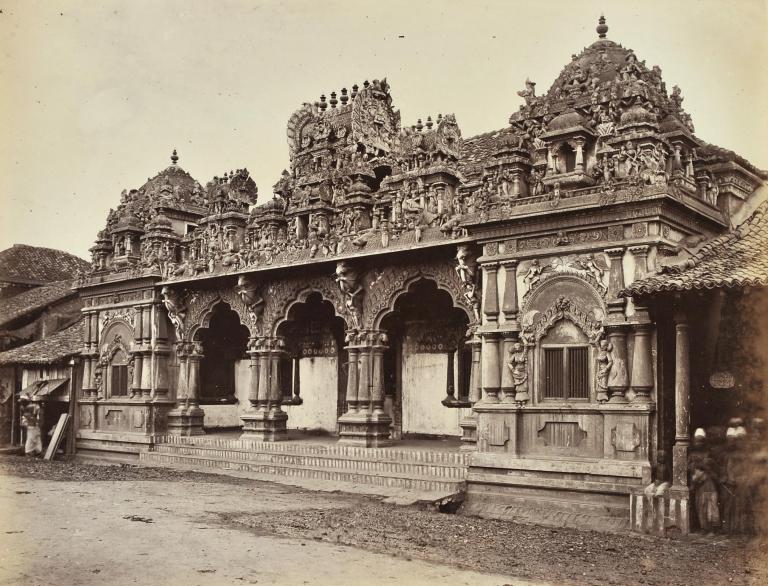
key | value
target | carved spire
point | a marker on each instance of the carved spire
(174, 157)
(602, 28)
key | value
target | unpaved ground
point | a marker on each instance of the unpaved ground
(126, 525)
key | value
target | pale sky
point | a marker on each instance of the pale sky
(95, 94)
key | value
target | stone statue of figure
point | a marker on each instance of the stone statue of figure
(518, 365)
(350, 286)
(604, 365)
(177, 312)
(246, 289)
(466, 268)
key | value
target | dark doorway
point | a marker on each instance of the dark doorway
(224, 342)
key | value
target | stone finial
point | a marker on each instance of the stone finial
(419, 125)
(344, 96)
(323, 104)
(602, 28)
(354, 91)
(333, 101)
(429, 123)
(174, 157)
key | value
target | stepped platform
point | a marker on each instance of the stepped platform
(410, 471)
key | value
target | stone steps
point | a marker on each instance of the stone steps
(325, 465)
(389, 454)
(276, 472)
(322, 460)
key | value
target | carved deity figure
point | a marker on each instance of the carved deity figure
(537, 182)
(246, 289)
(177, 311)
(466, 268)
(518, 366)
(604, 364)
(529, 93)
(533, 275)
(348, 280)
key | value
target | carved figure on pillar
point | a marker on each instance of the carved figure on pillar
(247, 290)
(349, 283)
(604, 365)
(177, 309)
(466, 268)
(518, 365)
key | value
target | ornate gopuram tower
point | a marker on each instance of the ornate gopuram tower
(403, 281)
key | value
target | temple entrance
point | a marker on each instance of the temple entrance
(425, 362)
(312, 368)
(224, 374)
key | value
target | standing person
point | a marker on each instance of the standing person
(30, 419)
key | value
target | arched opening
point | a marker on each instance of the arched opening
(224, 374)
(313, 366)
(426, 356)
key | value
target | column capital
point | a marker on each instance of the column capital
(615, 252)
(509, 263)
(639, 249)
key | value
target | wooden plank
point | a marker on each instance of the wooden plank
(58, 433)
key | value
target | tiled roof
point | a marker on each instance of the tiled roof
(735, 259)
(32, 264)
(32, 299)
(55, 348)
(476, 150)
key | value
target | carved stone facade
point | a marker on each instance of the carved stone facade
(388, 253)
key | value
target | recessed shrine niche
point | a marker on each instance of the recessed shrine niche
(562, 327)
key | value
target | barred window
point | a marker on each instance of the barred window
(565, 372)
(118, 386)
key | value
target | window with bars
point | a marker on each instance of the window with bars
(565, 372)
(118, 386)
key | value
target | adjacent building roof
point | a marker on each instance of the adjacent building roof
(33, 299)
(36, 265)
(735, 259)
(55, 348)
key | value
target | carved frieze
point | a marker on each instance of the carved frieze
(608, 234)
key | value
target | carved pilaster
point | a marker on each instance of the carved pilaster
(509, 303)
(491, 293)
(615, 303)
(491, 368)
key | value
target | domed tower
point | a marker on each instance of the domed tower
(601, 120)
(143, 234)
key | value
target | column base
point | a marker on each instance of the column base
(369, 430)
(468, 427)
(186, 421)
(265, 426)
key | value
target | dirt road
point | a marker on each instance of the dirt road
(69, 523)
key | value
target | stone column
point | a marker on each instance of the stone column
(296, 399)
(377, 376)
(160, 352)
(193, 382)
(491, 294)
(468, 424)
(186, 418)
(509, 303)
(253, 418)
(361, 425)
(642, 364)
(352, 372)
(491, 371)
(364, 381)
(682, 402)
